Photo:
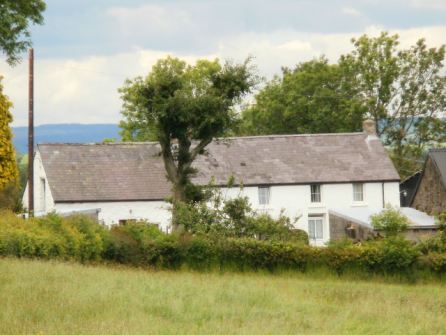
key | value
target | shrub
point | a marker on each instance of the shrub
(340, 258)
(436, 243)
(200, 253)
(234, 218)
(434, 261)
(78, 238)
(141, 244)
(390, 221)
(391, 256)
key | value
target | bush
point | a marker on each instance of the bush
(436, 243)
(234, 218)
(434, 261)
(395, 255)
(142, 244)
(78, 238)
(390, 221)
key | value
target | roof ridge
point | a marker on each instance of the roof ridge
(216, 139)
(290, 135)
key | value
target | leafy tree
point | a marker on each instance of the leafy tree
(183, 107)
(390, 221)
(403, 91)
(8, 164)
(314, 97)
(15, 18)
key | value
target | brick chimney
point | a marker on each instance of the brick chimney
(369, 127)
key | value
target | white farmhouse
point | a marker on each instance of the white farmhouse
(303, 175)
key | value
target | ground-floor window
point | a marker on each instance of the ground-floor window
(316, 227)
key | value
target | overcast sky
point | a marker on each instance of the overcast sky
(87, 48)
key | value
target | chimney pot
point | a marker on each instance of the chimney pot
(369, 127)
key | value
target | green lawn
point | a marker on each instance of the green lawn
(57, 298)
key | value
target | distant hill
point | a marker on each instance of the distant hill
(65, 133)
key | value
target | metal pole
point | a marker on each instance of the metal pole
(31, 135)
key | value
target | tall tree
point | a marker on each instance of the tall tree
(8, 164)
(314, 97)
(15, 18)
(183, 107)
(404, 91)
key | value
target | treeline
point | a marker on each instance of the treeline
(140, 244)
(402, 90)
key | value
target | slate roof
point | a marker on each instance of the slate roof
(95, 172)
(135, 171)
(439, 158)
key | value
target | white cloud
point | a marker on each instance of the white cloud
(85, 90)
(150, 20)
(428, 4)
(350, 11)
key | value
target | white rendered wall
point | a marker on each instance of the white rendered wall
(47, 205)
(110, 213)
(295, 201)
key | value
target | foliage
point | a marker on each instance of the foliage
(235, 218)
(436, 243)
(314, 97)
(403, 91)
(11, 197)
(183, 107)
(52, 237)
(8, 164)
(142, 244)
(390, 221)
(392, 255)
(15, 18)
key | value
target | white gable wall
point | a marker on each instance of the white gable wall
(43, 199)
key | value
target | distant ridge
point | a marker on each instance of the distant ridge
(65, 133)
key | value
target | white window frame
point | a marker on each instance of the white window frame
(264, 193)
(355, 192)
(316, 194)
(316, 228)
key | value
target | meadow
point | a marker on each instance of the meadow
(48, 297)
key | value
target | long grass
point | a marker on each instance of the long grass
(59, 298)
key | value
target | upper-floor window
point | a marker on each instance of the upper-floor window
(358, 192)
(264, 193)
(315, 193)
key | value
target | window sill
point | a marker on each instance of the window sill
(316, 205)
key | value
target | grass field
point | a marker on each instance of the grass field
(57, 298)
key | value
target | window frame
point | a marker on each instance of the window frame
(316, 232)
(264, 198)
(355, 192)
(317, 195)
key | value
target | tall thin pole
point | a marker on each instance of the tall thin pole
(31, 135)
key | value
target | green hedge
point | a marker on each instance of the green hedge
(140, 244)
(76, 238)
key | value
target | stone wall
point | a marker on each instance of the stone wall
(341, 228)
(431, 194)
(417, 235)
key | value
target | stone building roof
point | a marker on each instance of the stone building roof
(135, 171)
